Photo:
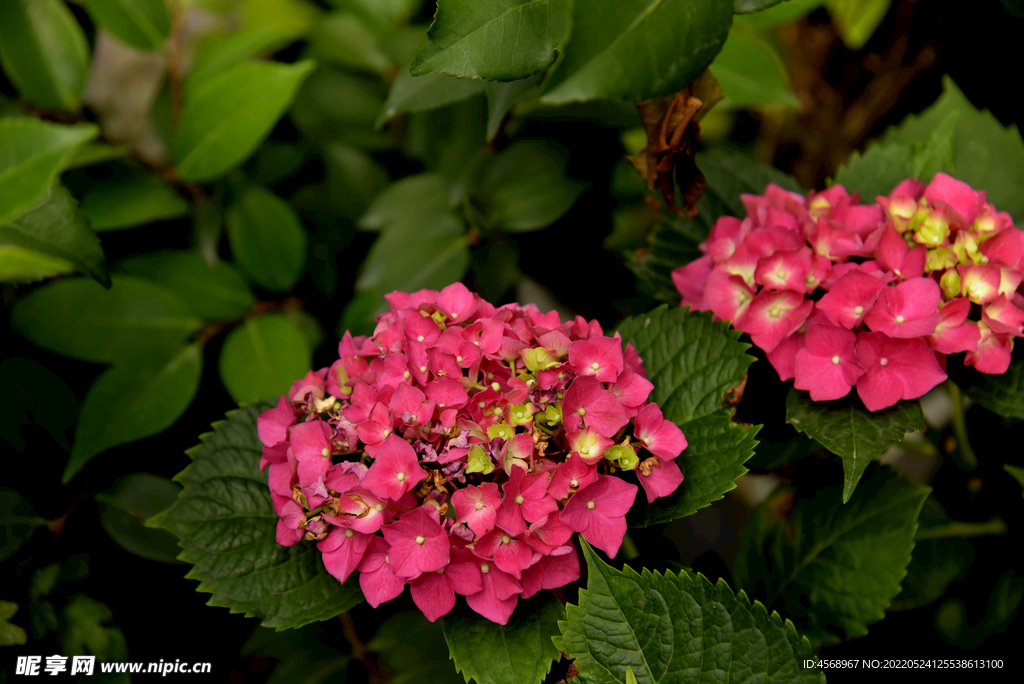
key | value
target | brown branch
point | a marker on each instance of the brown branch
(359, 651)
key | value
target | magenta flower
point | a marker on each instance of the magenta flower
(395, 470)
(827, 365)
(910, 309)
(418, 544)
(499, 595)
(477, 507)
(773, 316)
(376, 577)
(343, 548)
(598, 512)
(663, 438)
(587, 402)
(434, 592)
(895, 369)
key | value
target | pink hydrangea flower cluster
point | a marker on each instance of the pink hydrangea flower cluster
(458, 448)
(841, 294)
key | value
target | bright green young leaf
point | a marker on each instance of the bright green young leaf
(637, 49)
(32, 153)
(21, 265)
(492, 39)
(693, 363)
(10, 634)
(43, 52)
(675, 628)
(424, 194)
(1002, 394)
(834, 570)
(215, 294)
(342, 40)
(267, 239)
(850, 431)
(18, 522)
(78, 318)
(89, 629)
(225, 499)
(125, 507)
(291, 17)
(237, 46)
(132, 201)
(97, 153)
(1017, 473)
(139, 396)
(226, 117)
(423, 93)
(143, 24)
(745, 6)
(857, 20)
(751, 72)
(415, 253)
(29, 391)
(520, 652)
(262, 357)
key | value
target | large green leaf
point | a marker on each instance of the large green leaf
(342, 40)
(693, 363)
(125, 507)
(237, 46)
(132, 201)
(415, 253)
(226, 526)
(32, 153)
(847, 429)
(423, 93)
(267, 239)
(637, 49)
(730, 175)
(833, 569)
(1002, 394)
(54, 228)
(423, 193)
(18, 521)
(43, 51)
(144, 24)
(78, 318)
(227, 116)
(262, 357)
(751, 72)
(500, 40)
(141, 395)
(519, 652)
(677, 629)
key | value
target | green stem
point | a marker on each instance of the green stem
(629, 547)
(970, 461)
(920, 447)
(964, 530)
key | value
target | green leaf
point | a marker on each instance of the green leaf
(291, 17)
(18, 264)
(32, 153)
(226, 117)
(125, 507)
(677, 628)
(857, 20)
(353, 177)
(215, 294)
(54, 229)
(423, 93)
(847, 429)
(336, 106)
(132, 201)
(833, 569)
(1002, 394)
(226, 526)
(267, 239)
(525, 187)
(97, 153)
(745, 6)
(519, 652)
(10, 634)
(262, 357)
(78, 318)
(492, 39)
(304, 655)
(1017, 473)
(414, 650)
(729, 176)
(139, 396)
(693, 362)
(143, 24)
(44, 53)
(18, 521)
(88, 627)
(415, 253)
(637, 49)
(30, 390)
(424, 193)
(235, 47)
(341, 39)
(751, 72)
(501, 97)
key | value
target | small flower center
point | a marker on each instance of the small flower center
(780, 274)
(420, 539)
(325, 451)
(349, 533)
(458, 359)
(859, 310)
(585, 450)
(423, 369)
(406, 375)
(590, 504)
(495, 386)
(485, 568)
(441, 571)
(505, 539)
(519, 498)
(419, 338)
(595, 365)
(574, 482)
(836, 360)
(900, 319)
(400, 477)
(884, 361)
(582, 411)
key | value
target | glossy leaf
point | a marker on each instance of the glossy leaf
(745, 6)
(502, 97)
(267, 239)
(29, 390)
(225, 118)
(226, 525)
(423, 193)
(10, 634)
(677, 628)
(233, 48)
(847, 429)
(637, 49)
(132, 201)
(43, 52)
(423, 93)
(416, 253)
(143, 24)
(262, 357)
(342, 40)
(140, 395)
(125, 507)
(18, 521)
(751, 72)
(1002, 394)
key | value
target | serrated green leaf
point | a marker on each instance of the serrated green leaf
(729, 176)
(10, 634)
(18, 521)
(44, 53)
(29, 390)
(132, 201)
(143, 24)
(32, 153)
(423, 193)
(267, 239)
(752, 73)
(141, 395)
(125, 507)
(226, 526)
(226, 117)
(637, 49)
(693, 362)
(847, 429)
(834, 569)
(423, 93)
(676, 628)
(492, 39)
(88, 627)
(78, 318)
(262, 357)
(1002, 394)
(216, 293)
(415, 253)
(519, 652)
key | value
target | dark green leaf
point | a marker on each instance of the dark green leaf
(693, 362)
(952, 623)
(677, 628)
(43, 52)
(216, 293)
(751, 72)
(10, 634)
(226, 526)
(304, 655)
(359, 314)
(492, 39)
(96, 153)
(30, 390)
(341, 39)
(18, 264)
(423, 93)
(501, 97)
(144, 24)
(291, 17)
(1017, 473)
(745, 6)
(267, 239)
(226, 117)
(414, 650)
(88, 628)
(78, 318)
(235, 47)
(847, 429)
(125, 507)
(18, 521)
(637, 49)
(415, 253)
(132, 201)
(519, 652)
(729, 176)
(262, 357)
(425, 193)
(32, 153)
(333, 105)
(207, 226)
(1002, 394)
(833, 569)
(308, 325)
(141, 395)
(353, 177)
